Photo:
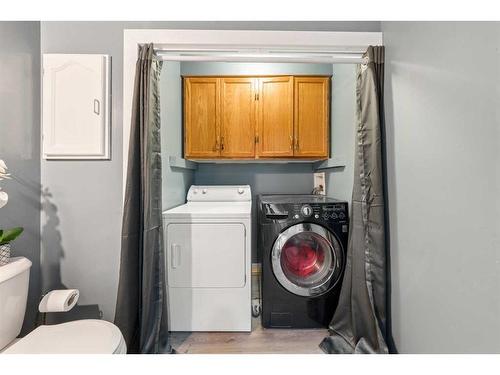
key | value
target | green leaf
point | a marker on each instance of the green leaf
(10, 235)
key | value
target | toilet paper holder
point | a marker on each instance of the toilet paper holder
(57, 301)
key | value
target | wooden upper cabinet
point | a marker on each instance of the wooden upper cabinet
(238, 117)
(311, 116)
(275, 117)
(201, 117)
(256, 117)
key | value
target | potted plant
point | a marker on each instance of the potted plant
(9, 235)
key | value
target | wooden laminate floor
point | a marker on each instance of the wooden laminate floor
(259, 341)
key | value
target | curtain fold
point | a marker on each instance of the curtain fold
(359, 324)
(141, 301)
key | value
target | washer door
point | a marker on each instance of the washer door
(307, 259)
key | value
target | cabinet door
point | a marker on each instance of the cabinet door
(275, 117)
(75, 106)
(311, 116)
(238, 116)
(201, 117)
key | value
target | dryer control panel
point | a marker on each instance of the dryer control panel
(219, 193)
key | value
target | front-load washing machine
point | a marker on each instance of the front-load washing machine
(303, 243)
(208, 255)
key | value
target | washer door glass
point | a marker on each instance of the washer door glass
(307, 259)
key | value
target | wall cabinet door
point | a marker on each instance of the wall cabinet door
(275, 117)
(75, 106)
(256, 117)
(311, 116)
(238, 117)
(201, 117)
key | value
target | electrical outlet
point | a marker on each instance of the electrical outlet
(319, 183)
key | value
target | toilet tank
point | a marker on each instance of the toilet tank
(14, 280)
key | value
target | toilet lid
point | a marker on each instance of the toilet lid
(79, 337)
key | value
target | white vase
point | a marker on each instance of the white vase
(4, 254)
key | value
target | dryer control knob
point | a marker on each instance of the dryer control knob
(241, 191)
(204, 191)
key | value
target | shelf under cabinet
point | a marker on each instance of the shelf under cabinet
(317, 164)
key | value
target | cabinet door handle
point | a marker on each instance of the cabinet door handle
(291, 143)
(297, 144)
(97, 107)
(222, 143)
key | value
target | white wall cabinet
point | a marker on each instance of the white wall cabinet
(76, 106)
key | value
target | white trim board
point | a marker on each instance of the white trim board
(232, 39)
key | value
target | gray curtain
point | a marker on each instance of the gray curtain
(359, 324)
(141, 303)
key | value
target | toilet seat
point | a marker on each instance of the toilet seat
(89, 336)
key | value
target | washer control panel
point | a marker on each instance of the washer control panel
(307, 211)
(326, 212)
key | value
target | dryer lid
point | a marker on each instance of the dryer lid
(219, 193)
(200, 210)
(90, 336)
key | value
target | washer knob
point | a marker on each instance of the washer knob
(306, 210)
(204, 191)
(241, 191)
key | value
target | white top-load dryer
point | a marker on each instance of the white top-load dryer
(208, 248)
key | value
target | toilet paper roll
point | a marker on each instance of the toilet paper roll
(59, 300)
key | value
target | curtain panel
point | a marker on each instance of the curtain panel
(141, 302)
(359, 324)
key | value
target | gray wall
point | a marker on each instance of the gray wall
(20, 144)
(224, 68)
(443, 115)
(175, 181)
(81, 219)
(339, 181)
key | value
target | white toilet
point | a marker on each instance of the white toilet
(79, 337)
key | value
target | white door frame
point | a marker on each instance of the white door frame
(234, 39)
